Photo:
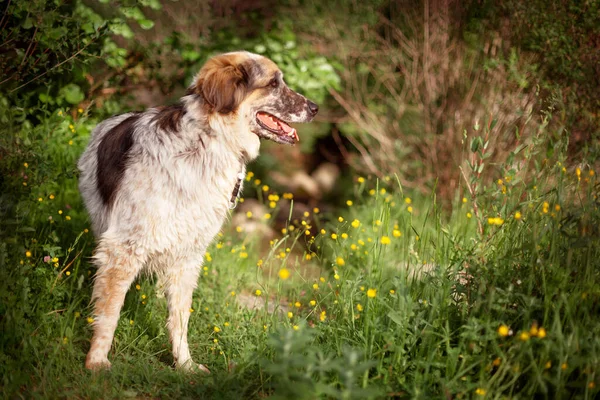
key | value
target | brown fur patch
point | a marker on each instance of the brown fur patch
(169, 118)
(112, 158)
(226, 80)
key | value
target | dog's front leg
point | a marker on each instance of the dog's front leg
(181, 280)
(118, 266)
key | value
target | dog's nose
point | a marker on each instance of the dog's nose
(313, 107)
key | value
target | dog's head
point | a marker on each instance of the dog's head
(248, 90)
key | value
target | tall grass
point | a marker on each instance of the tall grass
(493, 296)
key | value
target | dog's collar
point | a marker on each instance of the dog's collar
(235, 195)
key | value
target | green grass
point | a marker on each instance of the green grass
(443, 281)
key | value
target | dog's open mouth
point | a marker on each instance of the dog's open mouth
(282, 131)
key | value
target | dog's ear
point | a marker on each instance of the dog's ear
(223, 85)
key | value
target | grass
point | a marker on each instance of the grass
(493, 296)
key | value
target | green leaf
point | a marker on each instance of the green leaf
(27, 24)
(72, 93)
(153, 4)
(133, 13)
(475, 144)
(44, 98)
(146, 23)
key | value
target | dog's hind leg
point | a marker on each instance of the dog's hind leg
(118, 266)
(181, 279)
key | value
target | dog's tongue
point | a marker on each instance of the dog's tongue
(268, 120)
(288, 130)
(277, 124)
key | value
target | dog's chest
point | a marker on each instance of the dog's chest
(189, 203)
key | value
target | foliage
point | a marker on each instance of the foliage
(563, 36)
(394, 295)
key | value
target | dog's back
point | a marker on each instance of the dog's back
(88, 178)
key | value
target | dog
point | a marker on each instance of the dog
(159, 184)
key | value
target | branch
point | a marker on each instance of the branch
(53, 68)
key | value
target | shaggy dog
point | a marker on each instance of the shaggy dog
(159, 184)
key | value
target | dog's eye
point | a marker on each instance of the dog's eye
(274, 83)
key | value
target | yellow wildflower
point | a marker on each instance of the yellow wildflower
(371, 293)
(323, 316)
(385, 240)
(359, 307)
(541, 333)
(216, 329)
(355, 223)
(524, 336)
(533, 331)
(340, 261)
(258, 292)
(503, 330)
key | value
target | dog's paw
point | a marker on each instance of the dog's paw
(191, 366)
(97, 364)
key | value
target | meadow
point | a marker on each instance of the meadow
(458, 256)
(393, 295)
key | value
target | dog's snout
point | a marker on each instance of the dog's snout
(313, 107)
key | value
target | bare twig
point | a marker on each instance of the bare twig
(4, 15)
(53, 68)
(474, 198)
(64, 269)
